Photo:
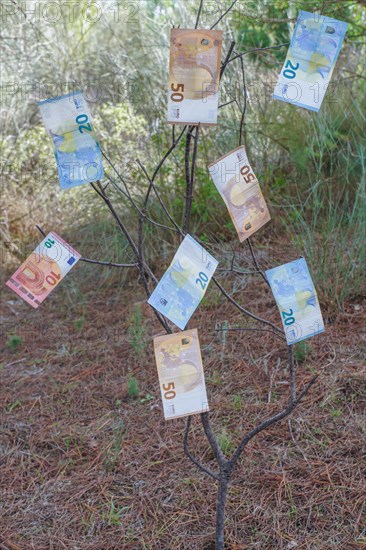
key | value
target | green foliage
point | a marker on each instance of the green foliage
(14, 342)
(132, 387)
(113, 516)
(302, 348)
(79, 323)
(237, 401)
(14, 405)
(136, 331)
(311, 166)
(112, 455)
(225, 441)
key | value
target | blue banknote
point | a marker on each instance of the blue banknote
(184, 284)
(310, 61)
(297, 300)
(78, 156)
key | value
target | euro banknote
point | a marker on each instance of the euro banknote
(181, 377)
(43, 270)
(194, 76)
(78, 156)
(184, 284)
(239, 188)
(310, 61)
(297, 300)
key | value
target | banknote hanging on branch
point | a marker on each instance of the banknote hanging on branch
(310, 61)
(78, 155)
(194, 76)
(240, 190)
(297, 300)
(43, 269)
(181, 376)
(184, 284)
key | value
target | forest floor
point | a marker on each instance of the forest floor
(85, 464)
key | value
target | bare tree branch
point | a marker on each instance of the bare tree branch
(269, 421)
(197, 463)
(198, 14)
(212, 439)
(278, 331)
(224, 14)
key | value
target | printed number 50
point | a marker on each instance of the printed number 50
(168, 388)
(177, 96)
(244, 170)
(290, 72)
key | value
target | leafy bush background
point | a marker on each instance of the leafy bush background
(311, 166)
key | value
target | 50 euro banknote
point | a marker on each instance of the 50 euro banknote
(181, 377)
(43, 269)
(310, 61)
(194, 76)
(184, 284)
(78, 155)
(297, 300)
(240, 190)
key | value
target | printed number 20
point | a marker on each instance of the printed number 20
(290, 72)
(82, 120)
(202, 281)
(287, 319)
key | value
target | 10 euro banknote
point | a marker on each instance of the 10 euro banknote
(194, 76)
(78, 155)
(184, 284)
(297, 300)
(310, 60)
(181, 377)
(239, 188)
(43, 270)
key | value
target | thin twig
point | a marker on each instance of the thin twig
(190, 171)
(269, 421)
(224, 14)
(220, 457)
(279, 332)
(256, 263)
(292, 372)
(107, 264)
(257, 50)
(152, 184)
(187, 452)
(198, 14)
(242, 120)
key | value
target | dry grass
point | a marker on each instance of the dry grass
(85, 466)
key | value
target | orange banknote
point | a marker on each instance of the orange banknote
(194, 76)
(238, 186)
(43, 269)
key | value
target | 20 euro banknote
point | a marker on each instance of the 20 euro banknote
(181, 377)
(78, 156)
(43, 270)
(239, 188)
(184, 284)
(297, 300)
(310, 60)
(194, 76)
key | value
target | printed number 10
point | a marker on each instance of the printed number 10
(49, 243)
